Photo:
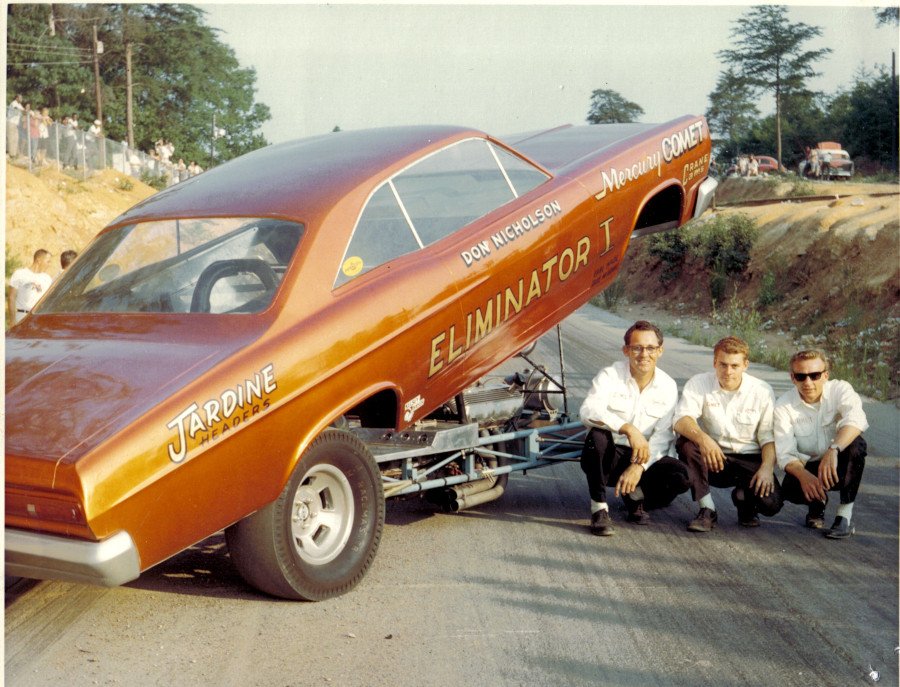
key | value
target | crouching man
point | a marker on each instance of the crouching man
(724, 420)
(629, 410)
(818, 441)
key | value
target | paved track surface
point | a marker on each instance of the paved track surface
(515, 592)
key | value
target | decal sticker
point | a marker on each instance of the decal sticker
(221, 414)
(352, 266)
(412, 406)
(694, 169)
(671, 147)
(507, 302)
(511, 232)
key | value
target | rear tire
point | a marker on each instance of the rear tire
(319, 537)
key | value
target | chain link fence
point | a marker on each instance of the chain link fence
(66, 148)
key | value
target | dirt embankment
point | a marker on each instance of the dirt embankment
(57, 212)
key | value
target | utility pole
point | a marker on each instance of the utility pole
(98, 48)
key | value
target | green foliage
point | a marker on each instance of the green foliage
(670, 248)
(866, 117)
(612, 294)
(609, 107)
(182, 74)
(125, 184)
(801, 187)
(721, 245)
(732, 112)
(154, 181)
(774, 282)
(12, 263)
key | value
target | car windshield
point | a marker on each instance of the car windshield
(433, 198)
(218, 265)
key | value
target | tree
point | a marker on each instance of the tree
(731, 112)
(866, 117)
(887, 15)
(180, 75)
(608, 107)
(769, 56)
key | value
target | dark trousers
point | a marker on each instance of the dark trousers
(738, 472)
(850, 465)
(604, 461)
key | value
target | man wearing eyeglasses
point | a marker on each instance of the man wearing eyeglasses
(818, 441)
(629, 410)
(724, 420)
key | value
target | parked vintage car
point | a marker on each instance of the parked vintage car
(766, 165)
(230, 352)
(827, 161)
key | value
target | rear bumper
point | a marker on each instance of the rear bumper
(108, 563)
(705, 194)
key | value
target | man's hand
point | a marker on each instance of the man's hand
(711, 453)
(828, 475)
(811, 486)
(763, 481)
(640, 447)
(629, 480)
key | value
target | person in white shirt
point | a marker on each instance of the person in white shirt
(629, 410)
(724, 420)
(27, 285)
(818, 441)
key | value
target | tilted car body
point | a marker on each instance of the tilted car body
(212, 359)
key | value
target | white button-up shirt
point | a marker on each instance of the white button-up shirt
(804, 431)
(615, 399)
(738, 421)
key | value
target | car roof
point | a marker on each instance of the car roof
(298, 180)
(563, 146)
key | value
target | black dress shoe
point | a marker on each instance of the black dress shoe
(637, 514)
(815, 518)
(841, 529)
(706, 519)
(601, 525)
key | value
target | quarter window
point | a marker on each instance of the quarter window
(434, 198)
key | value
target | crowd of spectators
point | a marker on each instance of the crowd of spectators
(33, 136)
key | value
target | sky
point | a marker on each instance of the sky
(505, 68)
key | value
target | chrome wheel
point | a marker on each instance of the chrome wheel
(322, 515)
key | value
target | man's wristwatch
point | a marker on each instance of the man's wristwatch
(837, 449)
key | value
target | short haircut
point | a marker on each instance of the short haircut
(810, 354)
(40, 253)
(643, 326)
(66, 258)
(732, 345)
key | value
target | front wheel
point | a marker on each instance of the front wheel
(319, 537)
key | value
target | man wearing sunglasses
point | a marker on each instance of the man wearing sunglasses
(724, 420)
(818, 441)
(629, 410)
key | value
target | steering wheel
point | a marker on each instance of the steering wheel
(229, 268)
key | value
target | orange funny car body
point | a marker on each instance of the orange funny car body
(211, 360)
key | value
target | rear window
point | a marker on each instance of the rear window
(216, 265)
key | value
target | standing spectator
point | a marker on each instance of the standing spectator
(194, 169)
(44, 124)
(13, 114)
(742, 165)
(95, 142)
(27, 285)
(34, 134)
(826, 164)
(181, 170)
(818, 441)
(814, 164)
(24, 122)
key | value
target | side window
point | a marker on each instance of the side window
(434, 198)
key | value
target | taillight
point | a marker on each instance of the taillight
(63, 509)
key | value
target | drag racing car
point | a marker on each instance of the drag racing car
(277, 345)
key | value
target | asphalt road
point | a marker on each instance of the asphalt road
(515, 592)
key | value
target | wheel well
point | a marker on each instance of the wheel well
(664, 207)
(378, 410)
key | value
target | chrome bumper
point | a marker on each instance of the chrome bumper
(705, 195)
(108, 563)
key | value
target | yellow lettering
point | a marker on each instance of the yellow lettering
(436, 363)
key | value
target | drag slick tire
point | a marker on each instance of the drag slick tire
(319, 537)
